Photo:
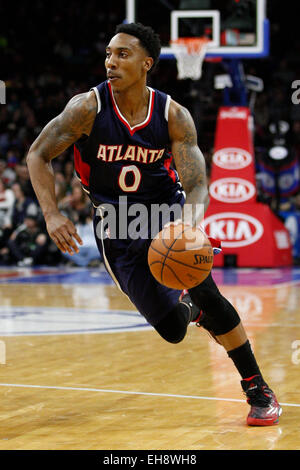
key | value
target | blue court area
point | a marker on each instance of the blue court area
(68, 300)
(63, 275)
(62, 301)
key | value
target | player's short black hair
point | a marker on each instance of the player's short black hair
(149, 40)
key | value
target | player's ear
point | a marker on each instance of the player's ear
(148, 63)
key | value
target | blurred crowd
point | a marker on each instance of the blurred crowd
(68, 58)
(23, 237)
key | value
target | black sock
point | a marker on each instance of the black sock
(244, 360)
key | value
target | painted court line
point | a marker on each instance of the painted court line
(128, 392)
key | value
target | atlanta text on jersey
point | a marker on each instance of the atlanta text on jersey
(134, 153)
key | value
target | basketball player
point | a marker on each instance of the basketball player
(124, 134)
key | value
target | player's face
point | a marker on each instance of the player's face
(126, 61)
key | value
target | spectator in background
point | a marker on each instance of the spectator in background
(28, 243)
(297, 203)
(23, 206)
(75, 202)
(7, 199)
(88, 254)
(296, 138)
(60, 187)
(69, 174)
(7, 174)
(24, 180)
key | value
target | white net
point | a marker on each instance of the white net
(190, 53)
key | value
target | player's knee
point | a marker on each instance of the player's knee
(219, 314)
(173, 327)
(171, 332)
(172, 337)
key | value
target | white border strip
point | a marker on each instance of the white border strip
(95, 90)
(128, 392)
(168, 101)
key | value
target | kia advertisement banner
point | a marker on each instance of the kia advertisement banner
(249, 231)
(253, 234)
(233, 177)
(232, 158)
(235, 229)
(232, 190)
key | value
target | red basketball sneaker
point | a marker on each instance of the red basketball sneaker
(265, 409)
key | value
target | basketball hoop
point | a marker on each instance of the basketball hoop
(190, 53)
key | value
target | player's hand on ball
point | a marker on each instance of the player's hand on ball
(215, 243)
(176, 222)
(63, 232)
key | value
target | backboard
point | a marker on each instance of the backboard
(236, 28)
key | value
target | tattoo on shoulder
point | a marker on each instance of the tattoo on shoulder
(75, 120)
(80, 113)
(185, 126)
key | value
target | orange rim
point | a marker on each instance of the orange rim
(193, 45)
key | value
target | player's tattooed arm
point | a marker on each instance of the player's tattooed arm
(189, 162)
(76, 120)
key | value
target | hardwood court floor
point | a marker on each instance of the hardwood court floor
(70, 379)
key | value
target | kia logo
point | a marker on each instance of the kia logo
(234, 229)
(232, 158)
(232, 190)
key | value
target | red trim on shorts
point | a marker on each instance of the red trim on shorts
(82, 169)
(170, 170)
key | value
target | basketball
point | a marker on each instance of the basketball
(180, 257)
